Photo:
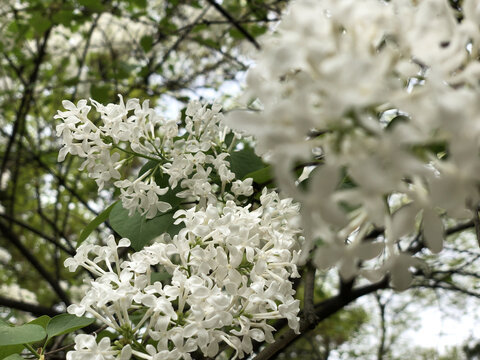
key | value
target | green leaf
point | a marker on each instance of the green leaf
(160, 276)
(39, 24)
(206, 42)
(63, 17)
(95, 223)
(261, 176)
(6, 351)
(13, 357)
(42, 321)
(65, 323)
(23, 334)
(93, 5)
(101, 93)
(257, 30)
(244, 162)
(146, 42)
(140, 3)
(196, 4)
(137, 228)
(236, 34)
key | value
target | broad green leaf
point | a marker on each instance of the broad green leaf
(257, 30)
(42, 321)
(95, 223)
(13, 357)
(63, 17)
(137, 228)
(105, 333)
(261, 176)
(236, 34)
(160, 276)
(7, 350)
(23, 334)
(146, 42)
(101, 93)
(65, 323)
(244, 162)
(93, 5)
(39, 24)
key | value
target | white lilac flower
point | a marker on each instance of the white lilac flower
(229, 271)
(86, 348)
(134, 129)
(244, 187)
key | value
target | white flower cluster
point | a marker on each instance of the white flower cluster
(227, 273)
(383, 96)
(190, 157)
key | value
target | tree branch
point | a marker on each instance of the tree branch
(35, 263)
(26, 98)
(39, 233)
(34, 309)
(309, 293)
(235, 23)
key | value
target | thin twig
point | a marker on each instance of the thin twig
(235, 23)
(476, 222)
(7, 233)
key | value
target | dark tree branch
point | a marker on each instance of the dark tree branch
(383, 328)
(37, 232)
(448, 287)
(309, 293)
(26, 99)
(34, 309)
(175, 45)
(476, 222)
(7, 233)
(235, 23)
(62, 182)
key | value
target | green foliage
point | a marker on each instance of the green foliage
(66, 323)
(95, 223)
(245, 161)
(261, 176)
(42, 321)
(14, 338)
(137, 228)
(23, 334)
(13, 357)
(146, 42)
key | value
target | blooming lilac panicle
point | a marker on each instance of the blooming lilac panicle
(229, 273)
(136, 130)
(387, 92)
(227, 270)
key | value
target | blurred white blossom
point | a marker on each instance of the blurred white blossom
(327, 82)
